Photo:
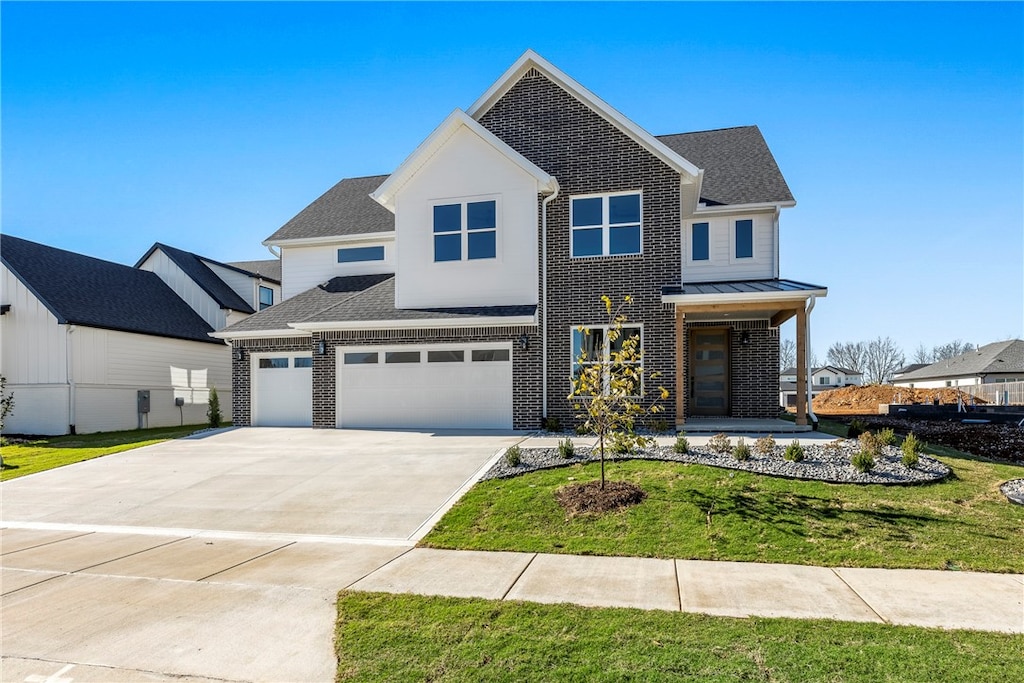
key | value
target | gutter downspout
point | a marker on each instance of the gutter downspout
(69, 368)
(544, 301)
(807, 360)
(270, 248)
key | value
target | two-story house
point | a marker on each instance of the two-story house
(822, 379)
(449, 293)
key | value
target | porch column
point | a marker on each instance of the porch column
(680, 369)
(801, 366)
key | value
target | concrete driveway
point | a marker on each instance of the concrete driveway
(218, 556)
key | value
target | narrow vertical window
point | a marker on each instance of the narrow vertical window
(266, 297)
(481, 224)
(448, 232)
(699, 242)
(745, 238)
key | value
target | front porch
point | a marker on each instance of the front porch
(738, 426)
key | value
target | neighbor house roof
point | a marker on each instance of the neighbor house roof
(195, 267)
(910, 368)
(345, 209)
(268, 269)
(998, 357)
(82, 290)
(738, 166)
(834, 368)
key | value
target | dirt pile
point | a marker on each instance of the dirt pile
(865, 400)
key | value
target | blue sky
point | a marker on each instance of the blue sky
(899, 127)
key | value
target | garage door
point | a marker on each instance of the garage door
(282, 390)
(425, 387)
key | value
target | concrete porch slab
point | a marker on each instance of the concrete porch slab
(943, 599)
(740, 426)
(454, 573)
(599, 582)
(741, 589)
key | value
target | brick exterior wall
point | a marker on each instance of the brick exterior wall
(588, 155)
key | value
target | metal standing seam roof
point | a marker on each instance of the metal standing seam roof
(740, 287)
(1004, 356)
(193, 265)
(83, 290)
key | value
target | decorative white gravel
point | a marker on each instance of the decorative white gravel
(1014, 491)
(829, 463)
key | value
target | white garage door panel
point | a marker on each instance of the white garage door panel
(466, 395)
(282, 397)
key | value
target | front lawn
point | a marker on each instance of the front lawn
(55, 451)
(701, 512)
(383, 637)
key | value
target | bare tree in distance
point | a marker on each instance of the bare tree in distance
(942, 351)
(787, 354)
(849, 355)
(922, 355)
(882, 359)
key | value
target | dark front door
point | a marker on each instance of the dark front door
(709, 371)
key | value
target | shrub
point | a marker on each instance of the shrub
(551, 424)
(833, 447)
(659, 426)
(514, 456)
(856, 428)
(682, 445)
(620, 444)
(765, 445)
(741, 451)
(720, 443)
(794, 452)
(863, 461)
(566, 448)
(213, 409)
(910, 447)
(886, 436)
(870, 444)
(581, 429)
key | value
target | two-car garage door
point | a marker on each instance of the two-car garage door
(425, 386)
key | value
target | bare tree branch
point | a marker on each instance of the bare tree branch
(850, 355)
(882, 359)
(787, 354)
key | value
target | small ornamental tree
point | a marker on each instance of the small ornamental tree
(608, 389)
(213, 409)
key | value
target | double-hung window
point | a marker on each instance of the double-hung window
(593, 346)
(465, 230)
(606, 224)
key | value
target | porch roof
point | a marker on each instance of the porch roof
(775, 299)
(742, 287)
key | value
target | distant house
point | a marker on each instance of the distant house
(82, 337)
(993, 363)
(822, 379)
(907, 368)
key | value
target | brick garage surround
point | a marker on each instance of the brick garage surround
(588, 155)
(241, 370)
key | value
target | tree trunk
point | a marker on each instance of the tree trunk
(602, 461)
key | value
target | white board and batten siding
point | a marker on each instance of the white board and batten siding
(186, 288)
(305, 267)
(722, 263)
(245, 286)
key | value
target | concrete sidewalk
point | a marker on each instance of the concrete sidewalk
(942, 599)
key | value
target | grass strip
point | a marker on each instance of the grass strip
(382, 637)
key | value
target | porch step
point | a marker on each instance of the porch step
(731, 425)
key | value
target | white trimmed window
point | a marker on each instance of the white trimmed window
(606, 224)
(465, 230)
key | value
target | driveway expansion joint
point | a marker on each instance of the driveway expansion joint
(512, 585)
(859, 596)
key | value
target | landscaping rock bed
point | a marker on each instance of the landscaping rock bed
(829, 463)
(1014, 491)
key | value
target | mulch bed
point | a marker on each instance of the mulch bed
(589, 498)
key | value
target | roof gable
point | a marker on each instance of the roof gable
(531, 60)
(344, 210)
(87, 291)
(193, 265)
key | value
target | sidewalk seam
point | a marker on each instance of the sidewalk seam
(377, 569)
(859, 596)
(251, 559)
(519, 576)
(679, 586)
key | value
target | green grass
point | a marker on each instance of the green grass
(412, 638)
(57, 451)
(700, 512)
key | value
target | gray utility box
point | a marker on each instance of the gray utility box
(143, 400)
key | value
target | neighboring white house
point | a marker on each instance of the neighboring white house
(822, 379)
(83, 337)
(993, 363)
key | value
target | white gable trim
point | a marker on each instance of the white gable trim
(385, 194)
(532, 60)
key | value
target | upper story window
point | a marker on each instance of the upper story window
(465, 230)
(266, 297)
(605, 224)
(745, 238)
(360, 254)
(700, 242)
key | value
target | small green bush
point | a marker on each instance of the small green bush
(794, 452)
(886, 436)
(720, 443)
(659, 426)
(213, 409)
(581, 429)
(856, 428)
(910, 447)
(863, 461)
(870, 444)
(742, 451)
(566, 448)
(551, 424)
(682, 445)
(765, 445)
(514, 456)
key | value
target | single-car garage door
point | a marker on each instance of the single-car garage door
(282, 390)
(455, 386)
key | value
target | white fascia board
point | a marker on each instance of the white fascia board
(333, 239)
(531, 59)
(743, 208)
(385, 194)
(742, 297)
(436, 323)
(256, 334)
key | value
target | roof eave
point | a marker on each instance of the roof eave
(330, 239)
(739, 208)
(742, 297)
(228, 335)
(424, 323)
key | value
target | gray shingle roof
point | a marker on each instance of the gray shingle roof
(87, 291)
(1004, 356)
(345, 209)
(740, 287)
(738, 166)
(193, 266)
(268, 269)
